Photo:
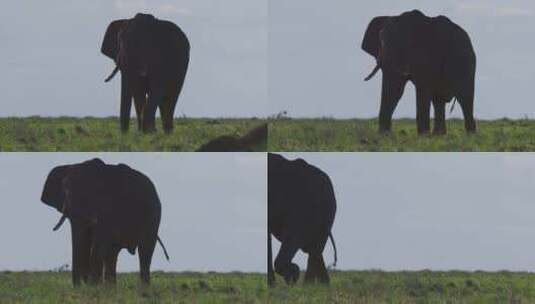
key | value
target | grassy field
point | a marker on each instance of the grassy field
(413, 287)
(362, 135)
(54, 287)
(103, 134)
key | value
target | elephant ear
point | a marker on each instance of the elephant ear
(371, 41)
(110, 44)
(53, 194)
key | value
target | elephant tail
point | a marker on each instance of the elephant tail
(335, 252)
(163, 247)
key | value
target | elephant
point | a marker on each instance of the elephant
(110, 207)
(153, 57)
(435, 54)
(301, 211)
(247, 143)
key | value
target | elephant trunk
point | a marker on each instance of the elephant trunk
(375, 70)
(112, 74)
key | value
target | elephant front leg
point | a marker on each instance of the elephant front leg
(440, 117)
(97, 264)
(391, 92)
(423, 105)
(126, 103)
(284, 265)
(271, 274)
(81, 247)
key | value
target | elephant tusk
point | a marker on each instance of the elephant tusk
(60, 222)
(112, 74)
(375, 70)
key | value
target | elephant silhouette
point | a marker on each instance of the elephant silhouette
(153, 57)
(301, 211)
(435, 54)
(110, 207)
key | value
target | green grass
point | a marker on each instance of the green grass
(362, 135)
(54, 287)
(412, 287)
(103, 134)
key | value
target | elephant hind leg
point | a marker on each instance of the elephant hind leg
(140, 99)
(440, 116)
(167, 108)
(467, 104)
(283, 262)
(149, 110)
(146, 249)
(316, 270)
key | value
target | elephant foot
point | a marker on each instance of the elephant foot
(293, 274)
(149, 130)
(423, 132)
(271, 281)
(470, 129)
(385, 131)
(439, 132)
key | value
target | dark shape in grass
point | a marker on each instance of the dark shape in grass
(81, 131)
(230, 290)
(204, 286)
(246, 143)
(184, 286)
(213, 122)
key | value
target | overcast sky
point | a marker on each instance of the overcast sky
(316, 66)
(51, 62)
(214, 212)
(439, 211)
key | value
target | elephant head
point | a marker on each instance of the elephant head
(119, 38)
(391, 39)
(60, 187)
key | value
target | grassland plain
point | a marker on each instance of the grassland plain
(56, 287)
(90, 134)
(362, 135)
(413, 287)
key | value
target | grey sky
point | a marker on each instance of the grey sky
(213, 210)
(52, 66)
(438, 211)
(316, 66)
